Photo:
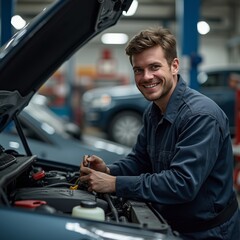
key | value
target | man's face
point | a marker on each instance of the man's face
(154, 78)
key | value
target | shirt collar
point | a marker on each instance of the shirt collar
(174, 102)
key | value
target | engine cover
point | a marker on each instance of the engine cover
(62, 199)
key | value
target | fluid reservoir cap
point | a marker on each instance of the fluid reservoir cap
(88, 204)
(88, 209)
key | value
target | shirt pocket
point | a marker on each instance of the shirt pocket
(163, 161)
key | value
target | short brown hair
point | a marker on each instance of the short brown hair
(151, 37)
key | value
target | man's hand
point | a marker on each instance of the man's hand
(98, 181)
(94, 162)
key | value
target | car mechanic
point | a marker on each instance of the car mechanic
(182, 161)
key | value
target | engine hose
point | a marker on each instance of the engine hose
(113, 209)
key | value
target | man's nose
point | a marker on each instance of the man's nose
(147, 74)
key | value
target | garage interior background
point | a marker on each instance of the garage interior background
(98, 64)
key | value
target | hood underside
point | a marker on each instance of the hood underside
(37, 51)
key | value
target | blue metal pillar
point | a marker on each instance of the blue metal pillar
(6, 11)
(187, 18)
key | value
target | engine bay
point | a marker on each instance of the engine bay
(43, 186)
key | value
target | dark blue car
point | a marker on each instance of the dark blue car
(117, 111)
(220, 84)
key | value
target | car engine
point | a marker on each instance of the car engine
(44, 186)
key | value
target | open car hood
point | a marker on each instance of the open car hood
(33, 54)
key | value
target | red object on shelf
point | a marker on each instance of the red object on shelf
(106, 65)
(236, 171)
(237, 117)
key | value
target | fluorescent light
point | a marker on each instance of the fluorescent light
(18, 22)
(114, 38)
(133, 8)
(203, 27)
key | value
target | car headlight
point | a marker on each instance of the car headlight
(101, 101)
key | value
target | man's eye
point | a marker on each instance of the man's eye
(155, 67)
(137, 71)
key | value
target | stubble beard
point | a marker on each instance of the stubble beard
(164, 91)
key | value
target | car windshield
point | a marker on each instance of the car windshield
(47, 120)
(44, 115)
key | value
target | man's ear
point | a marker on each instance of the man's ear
(175, 66)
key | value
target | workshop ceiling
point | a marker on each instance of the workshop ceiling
(220, 14)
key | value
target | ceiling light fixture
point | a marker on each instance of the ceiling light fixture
(18, 22)
(114, 38)
(133, 8)
(203, 27)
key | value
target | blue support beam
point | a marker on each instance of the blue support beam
(6, 11)
(187, 18)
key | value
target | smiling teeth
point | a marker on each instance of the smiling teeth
(150, 86)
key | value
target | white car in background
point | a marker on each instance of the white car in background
(51, 137)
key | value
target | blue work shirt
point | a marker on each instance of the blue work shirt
(182, 161)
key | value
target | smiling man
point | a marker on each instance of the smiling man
(182, 161)
(154, 77)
